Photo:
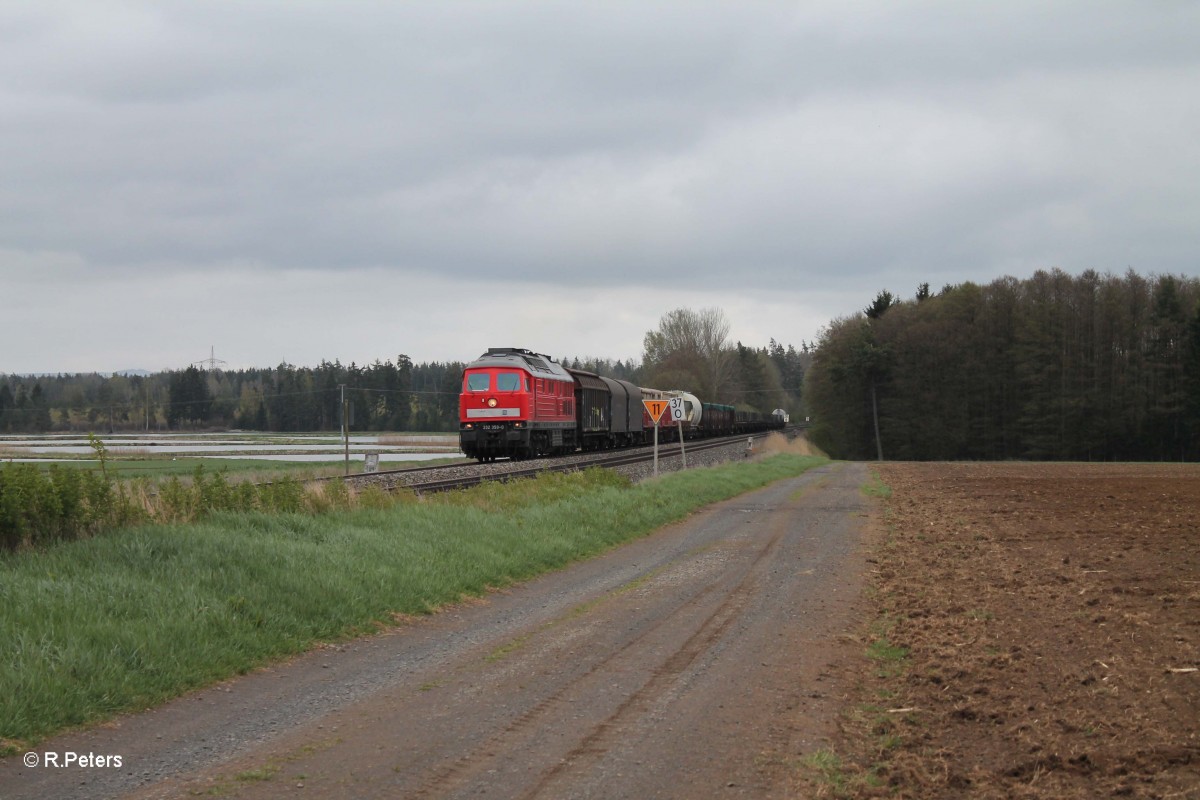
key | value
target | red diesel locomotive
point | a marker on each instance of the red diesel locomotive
(519, 404)
(516, 403)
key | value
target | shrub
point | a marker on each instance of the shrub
(37, 508)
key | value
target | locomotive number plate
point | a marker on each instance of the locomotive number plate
(492, 427)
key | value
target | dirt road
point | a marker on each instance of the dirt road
(690, 664)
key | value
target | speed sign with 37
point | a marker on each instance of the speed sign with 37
(677, 411)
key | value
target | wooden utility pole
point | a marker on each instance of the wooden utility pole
(875, 414)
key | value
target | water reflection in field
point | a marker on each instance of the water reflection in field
(118, 448)
(263, 447)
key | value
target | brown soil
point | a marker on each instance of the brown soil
(1051, 614)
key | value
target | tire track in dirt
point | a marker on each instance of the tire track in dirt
(596, 743)
(446, 780)
(707, 619)
(680, 617)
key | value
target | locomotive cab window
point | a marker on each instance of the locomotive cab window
(478, 382)
(508, 382)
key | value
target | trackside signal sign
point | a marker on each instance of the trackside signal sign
(655, 409)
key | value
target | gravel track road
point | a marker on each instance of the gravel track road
(692, 663)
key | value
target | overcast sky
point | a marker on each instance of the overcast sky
(353, 180)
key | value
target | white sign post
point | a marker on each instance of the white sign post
(678, 412)
(655, 409)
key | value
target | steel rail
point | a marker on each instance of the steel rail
(626, 458)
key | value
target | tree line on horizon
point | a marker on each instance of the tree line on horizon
(1055, 367)
(382, 396)
(1088, 367)
(385, 396)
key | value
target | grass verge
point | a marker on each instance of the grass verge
(127, 620)
(876, 487)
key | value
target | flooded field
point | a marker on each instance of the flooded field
(298, 448)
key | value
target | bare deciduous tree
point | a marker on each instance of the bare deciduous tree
(690, 350)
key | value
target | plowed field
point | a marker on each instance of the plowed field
(1038, 636)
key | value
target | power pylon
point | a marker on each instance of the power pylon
(210, 363)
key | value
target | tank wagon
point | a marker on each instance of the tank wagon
(518, 404)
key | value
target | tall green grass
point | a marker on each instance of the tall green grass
(42, 507)
(124, 621)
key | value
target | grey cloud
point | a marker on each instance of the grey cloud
(587, 142)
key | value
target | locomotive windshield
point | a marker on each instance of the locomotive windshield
(504, 382)
(508, 381)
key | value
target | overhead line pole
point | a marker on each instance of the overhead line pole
(345, 427)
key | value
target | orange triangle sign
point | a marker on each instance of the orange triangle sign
(655, 408)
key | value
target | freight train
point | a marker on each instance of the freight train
(519, 404)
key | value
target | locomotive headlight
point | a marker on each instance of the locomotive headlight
(491, 402)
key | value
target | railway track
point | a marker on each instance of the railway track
(459, 476)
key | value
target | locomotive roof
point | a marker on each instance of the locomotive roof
(536, 363)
